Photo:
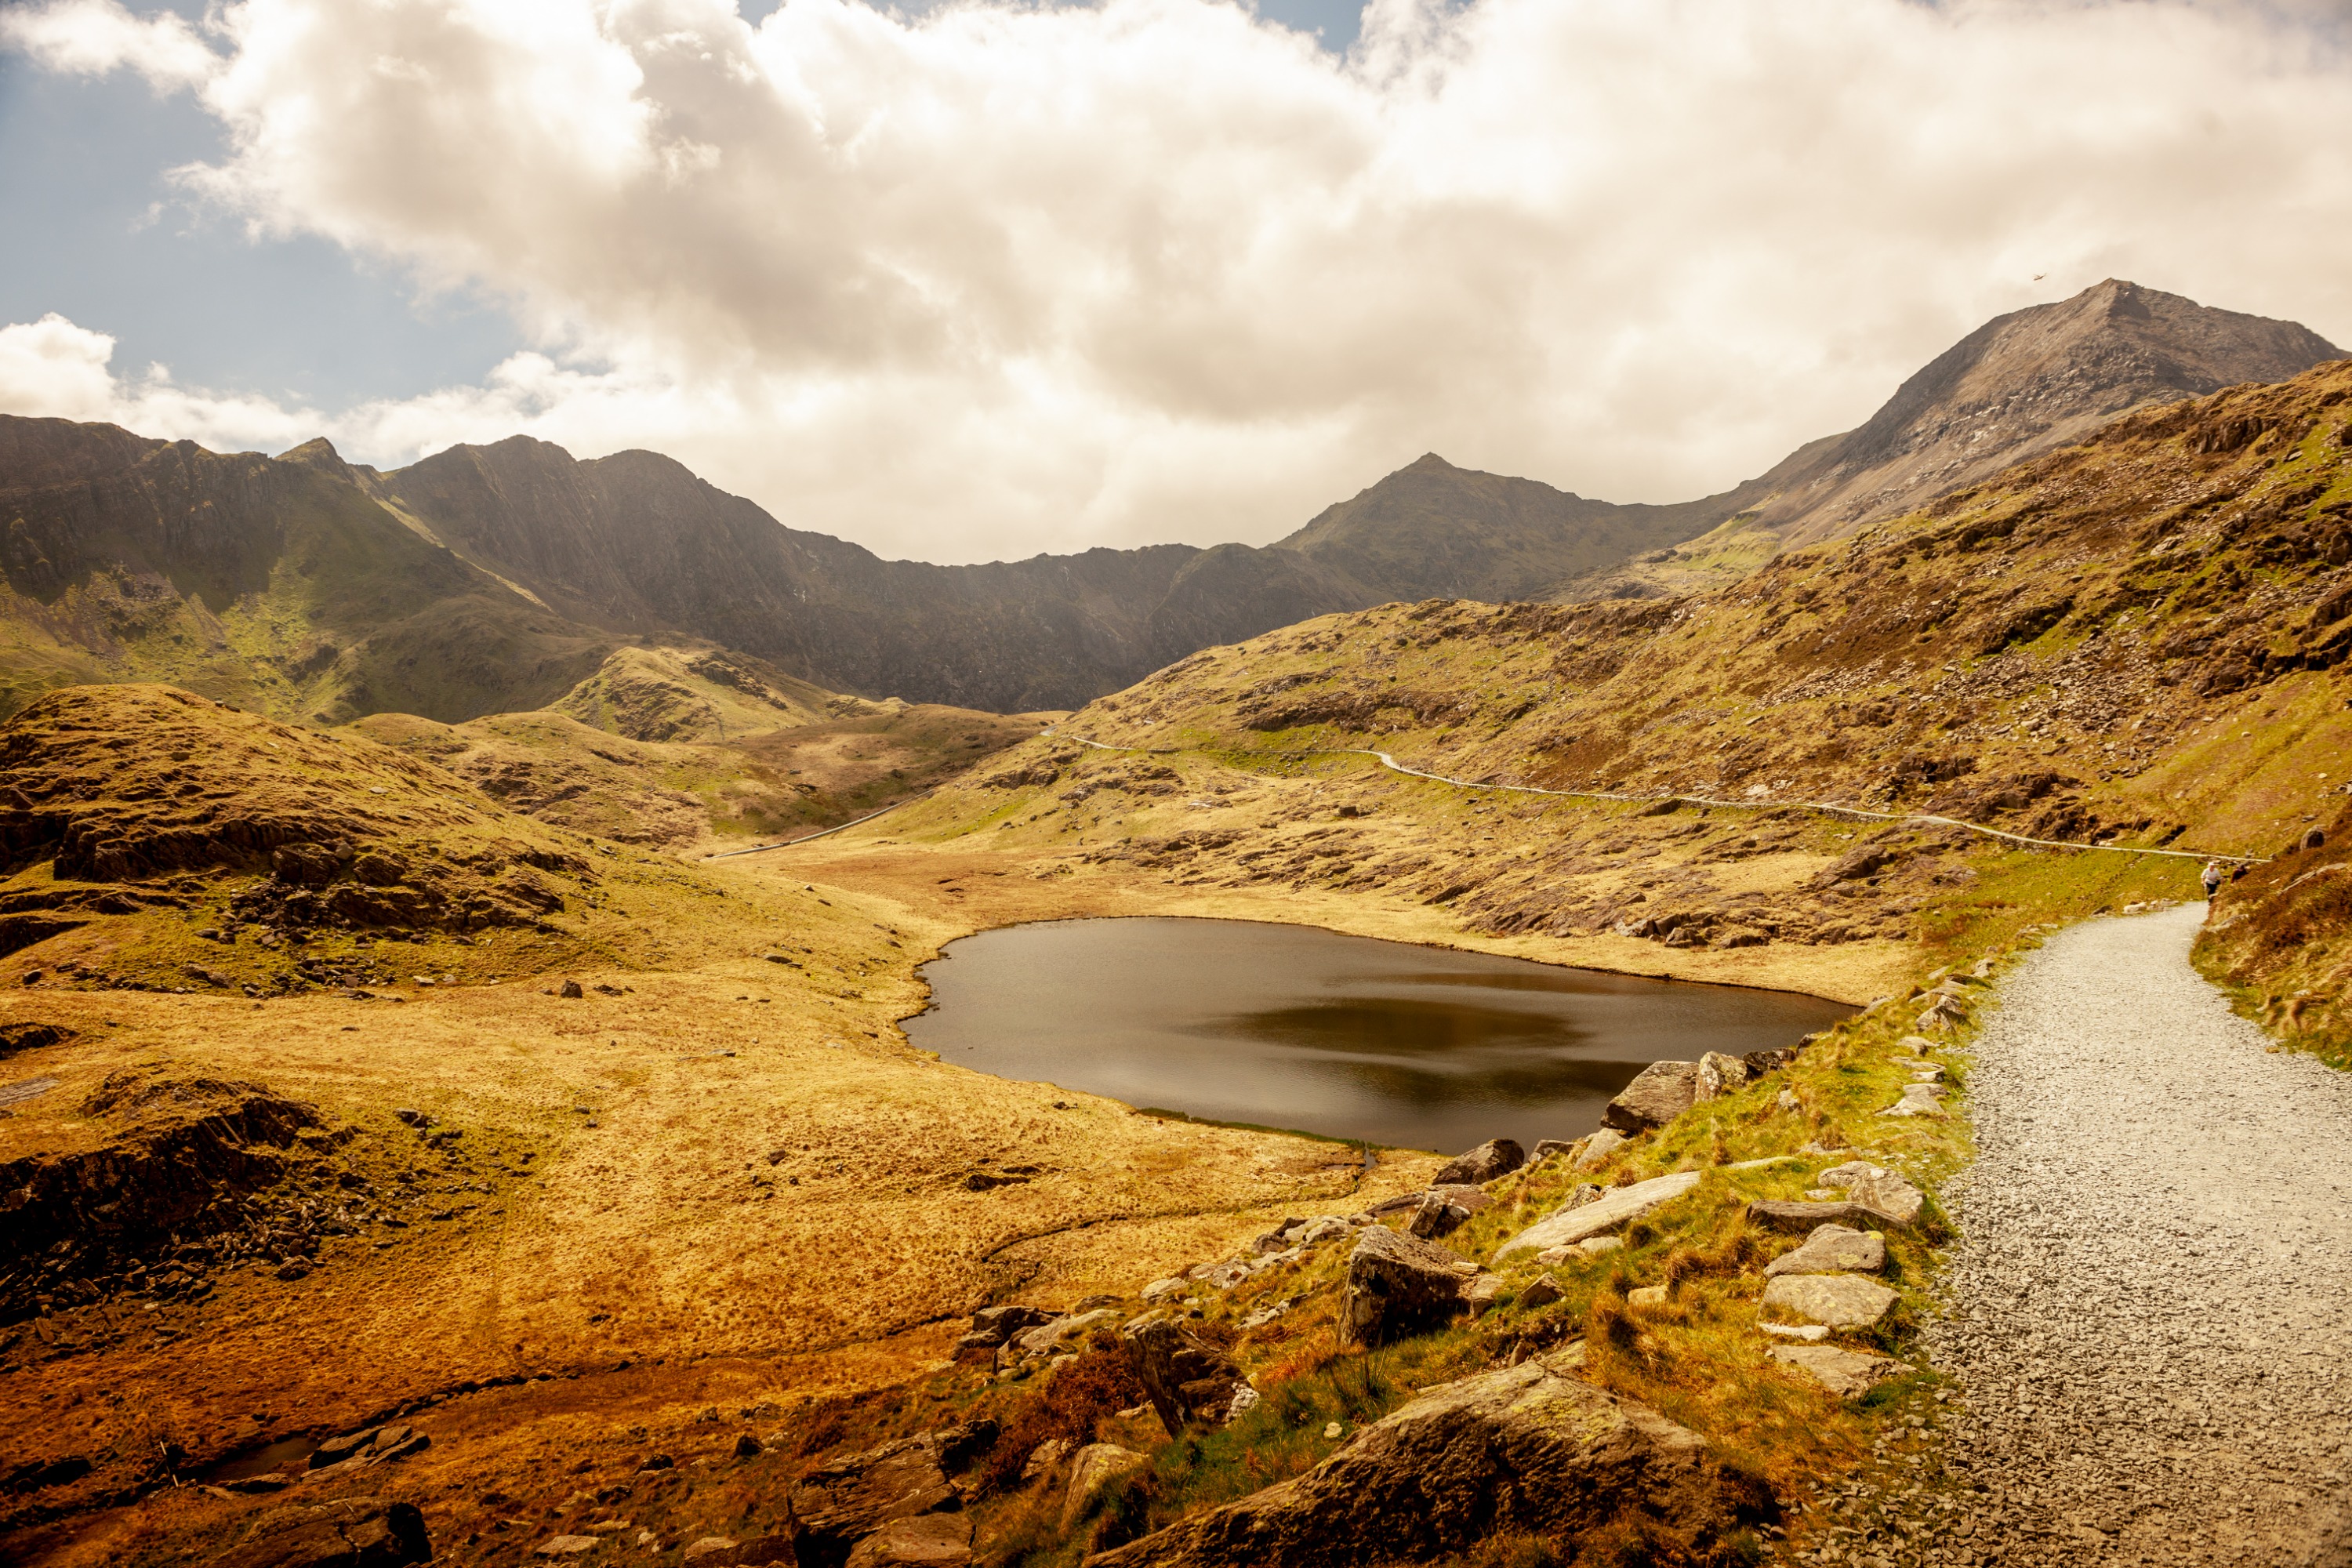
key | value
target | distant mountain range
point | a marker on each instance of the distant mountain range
(495, 578)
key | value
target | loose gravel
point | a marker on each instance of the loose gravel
(2151, 1301)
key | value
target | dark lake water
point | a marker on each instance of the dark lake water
(1290, 1026)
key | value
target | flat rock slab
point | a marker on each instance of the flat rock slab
(1832, 1249)
(1846, 1374)
(1841, 1300)
(1606, 1213)
(1775, 1214)
(929, 1541)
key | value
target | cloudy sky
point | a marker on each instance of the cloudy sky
(980, 279)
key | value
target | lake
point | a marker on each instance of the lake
(1346, 1036)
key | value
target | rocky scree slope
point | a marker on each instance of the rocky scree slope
(2138, 640)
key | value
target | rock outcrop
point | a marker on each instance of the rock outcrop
(1399, 1286)
(1496, 1157)
(349, 1532)
(1662, 1092)
(1188, 1381)
(1528, 1448)
(839, 1504)
(1838, 1300)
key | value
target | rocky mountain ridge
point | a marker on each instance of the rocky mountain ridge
(492, 578)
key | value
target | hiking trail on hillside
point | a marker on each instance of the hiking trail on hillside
(2150, 1304)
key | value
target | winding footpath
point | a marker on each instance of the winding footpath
(2151, 1309)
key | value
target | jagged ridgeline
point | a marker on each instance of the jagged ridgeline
(211, 849)
(2136, 640)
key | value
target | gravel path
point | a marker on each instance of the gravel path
(2152, 1304)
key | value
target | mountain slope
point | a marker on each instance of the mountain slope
(2139, 640)
(2021, 384)
(1434, 531)
(636, 544)
(276, 584)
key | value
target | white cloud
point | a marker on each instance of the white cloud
(93, 37)
(1007, 278)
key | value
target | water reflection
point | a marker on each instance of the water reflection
(1291, 1026)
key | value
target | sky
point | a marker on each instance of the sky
(973, 280)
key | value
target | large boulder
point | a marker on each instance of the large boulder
(1528, 1448)
(1398, 1286)
(839, 1504)
(1832, 1249)
(1496, 1157)
(1840, 1301)
(1568, 1226)
(350, 1532)
(1188, 1381)
(1662, 1092)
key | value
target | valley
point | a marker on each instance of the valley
(421, 1039)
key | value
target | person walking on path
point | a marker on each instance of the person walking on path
(2213, 880)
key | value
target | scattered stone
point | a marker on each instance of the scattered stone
(1646, 1296)
(1596, 1148)
(709, 1551)
(1787, 1100)
(991, 1326)
(1919, 1099)
(1482, 1291)
(571, 992)
(932, 1540)
(1916, 1044)
(1849, 1374)
(1496, 1157)
(1524, 1449)
(1220, 1276)
(1841, 1300)
(335, 1450)
(1094, 1466)
(1566, 1226)
(1399, 1286)
(1188, 1381)
(1542, 1291)
(1044, 1460)
(1437, 1215)
(1832, 1249)
(1545, 1148)
(1720, 1075)
(1316, 1232)
(1163, 1290)
(1331, 1430)
(747, 1447)
(1662, 1092)
(567, 1546)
